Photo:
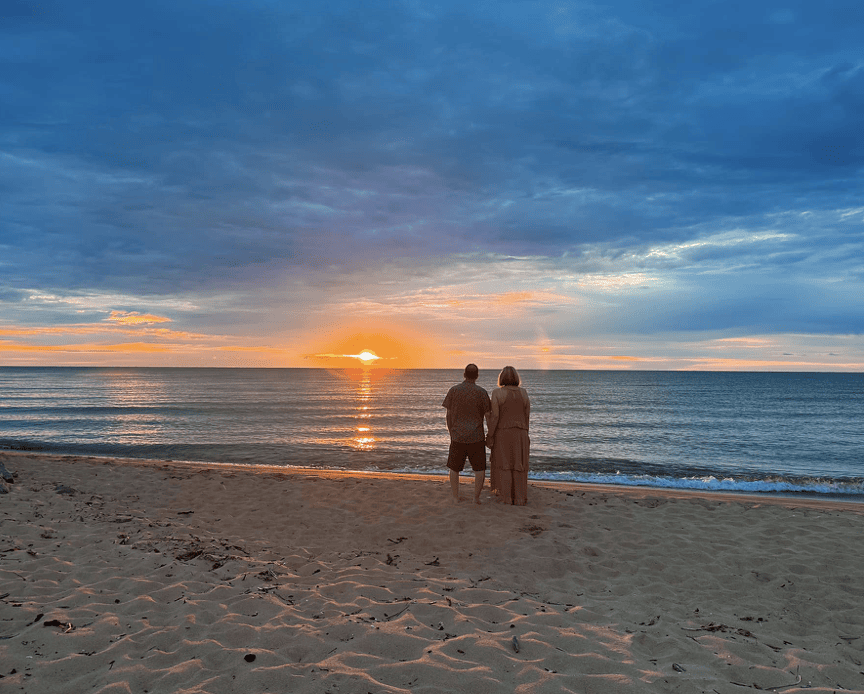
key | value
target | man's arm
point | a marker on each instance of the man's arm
(446, 404)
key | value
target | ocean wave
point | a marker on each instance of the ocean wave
(852, 488)
(775, 485)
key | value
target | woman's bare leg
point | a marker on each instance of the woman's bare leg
(479, 478)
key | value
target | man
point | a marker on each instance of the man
(467, 404)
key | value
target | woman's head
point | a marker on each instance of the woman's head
(509, 377)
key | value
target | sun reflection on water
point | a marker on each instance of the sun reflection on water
(364, 439)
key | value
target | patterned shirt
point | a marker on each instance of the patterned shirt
(466, 404)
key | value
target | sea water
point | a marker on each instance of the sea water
(758, 432)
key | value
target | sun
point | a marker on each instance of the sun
(367, 357)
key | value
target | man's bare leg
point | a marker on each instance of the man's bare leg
(479, 478)
(454, 484)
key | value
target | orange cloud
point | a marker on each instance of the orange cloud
(511, 298)
(135, 318)
(101, 328)
(130, 347)
(454, 302)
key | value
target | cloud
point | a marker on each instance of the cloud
(615, 168)
(135, 318)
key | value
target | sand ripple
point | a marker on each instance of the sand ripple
(158, 578)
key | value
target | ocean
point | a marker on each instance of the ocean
(783, 433)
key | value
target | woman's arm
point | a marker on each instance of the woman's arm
(492, 420)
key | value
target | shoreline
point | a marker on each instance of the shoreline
(791, 499)
(172, 577)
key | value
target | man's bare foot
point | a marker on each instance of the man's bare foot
(477, 500)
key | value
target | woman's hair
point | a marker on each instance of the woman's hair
(509, 377)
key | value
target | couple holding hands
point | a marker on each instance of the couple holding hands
(506, 413)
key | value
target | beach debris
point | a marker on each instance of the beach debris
(249, 657)
(434, 562)
(721, 628)
(391, 560)
(678, 668)
(515, 643)
(185, 513)
(63, 489)
(397, 540)
(6, 475)
(774, 688)
(66, 626)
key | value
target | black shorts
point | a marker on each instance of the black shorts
(475, 452)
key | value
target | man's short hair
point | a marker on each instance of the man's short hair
(472, 372)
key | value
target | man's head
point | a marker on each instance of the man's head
(471, 372)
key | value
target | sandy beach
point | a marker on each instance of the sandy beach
(125, 576)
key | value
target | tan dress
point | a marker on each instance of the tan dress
(508, 427)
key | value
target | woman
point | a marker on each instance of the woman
(508, 439)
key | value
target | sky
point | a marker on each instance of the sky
(626, 184)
